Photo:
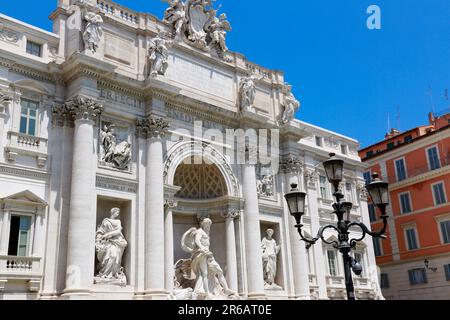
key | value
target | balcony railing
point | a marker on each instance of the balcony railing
(19, 265)
(419, 170)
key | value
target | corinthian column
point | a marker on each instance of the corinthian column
(82, 216)
(154, 219)
(232, 277)
(291, 167)
(169, 253)
(255, 277)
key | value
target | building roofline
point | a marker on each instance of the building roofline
(27, 25)
(405, 144)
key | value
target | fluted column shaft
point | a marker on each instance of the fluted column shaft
(232, 276)
(255, 277)
(154, 224)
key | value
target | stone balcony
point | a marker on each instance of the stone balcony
(21, 268)
(26, 145)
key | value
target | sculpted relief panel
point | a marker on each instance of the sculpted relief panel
(115, 147)
(119, 49)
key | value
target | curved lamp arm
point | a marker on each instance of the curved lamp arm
(310, 242)
(365, 230)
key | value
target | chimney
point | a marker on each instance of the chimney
(394, 132)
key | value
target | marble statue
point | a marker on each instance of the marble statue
(203, 273)
(117, 155)
(247, 92)
(158, 56)
(290, 106)
(265, 186)
(109, 246)
(176, 15)
(270, 250)
(217, 29)
(93, 31)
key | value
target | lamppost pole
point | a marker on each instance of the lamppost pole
(378, 191)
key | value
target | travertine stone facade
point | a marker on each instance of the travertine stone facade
(84, 129)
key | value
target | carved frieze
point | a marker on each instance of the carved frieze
(291, 164)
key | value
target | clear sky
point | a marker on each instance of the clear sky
(348, 78)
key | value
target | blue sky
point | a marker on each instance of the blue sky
(348, 78)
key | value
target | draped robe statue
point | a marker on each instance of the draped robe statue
(270, 250)
(110, 245)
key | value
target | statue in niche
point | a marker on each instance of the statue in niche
(93, 31)
(109, 246)
(265, 186)
(290, 107)
(217, 28)
(158, 56)
(247, 92)
(270, 250)
(117, 155)
(176, 15)
(201, 273)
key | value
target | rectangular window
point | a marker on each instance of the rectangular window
(447, 272)
(405, 203)
(411, 239)
(408, 138)
(343, 149)
(367, 177)
(34, 48)
(433, 158)
(318, 141)
(439, 194)
(369, 153)
(400, 168)
(377, 247)
(28, 117)
(417, 276)
(445, 230)
(372, 212)
(384, 281)
(390, 145)
(19, 235)
(323, 187)
(332, 265)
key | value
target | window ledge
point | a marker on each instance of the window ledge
(22, 144)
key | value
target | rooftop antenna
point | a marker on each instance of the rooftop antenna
(446, 94)
(398, 118)
(388, 122)
(430, 94)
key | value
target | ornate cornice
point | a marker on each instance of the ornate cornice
(83, 108)
(24, 173)
(61, 116)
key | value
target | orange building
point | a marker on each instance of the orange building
(415, 258)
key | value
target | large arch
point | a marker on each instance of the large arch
(185, 150)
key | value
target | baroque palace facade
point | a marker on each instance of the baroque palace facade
(97, 200)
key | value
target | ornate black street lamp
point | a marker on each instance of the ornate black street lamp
(378, 191)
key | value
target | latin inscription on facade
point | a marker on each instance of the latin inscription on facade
(117, 97)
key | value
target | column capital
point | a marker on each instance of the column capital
(232, 214)
(170, 203)
(61, 116)
(291, 164)
(5, 97)
(152, 127)
(84, 108)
